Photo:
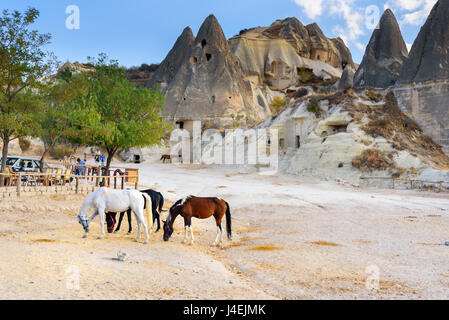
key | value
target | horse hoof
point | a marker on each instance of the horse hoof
(135, 240)
(145, 242)
(85, 236)
(99, 237)
(128, 233)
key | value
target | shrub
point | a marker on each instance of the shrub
(278, 104)
(373, 95)
(373, 159)
(24, 144)
(62, 150)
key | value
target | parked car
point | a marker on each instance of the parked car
(23, 164)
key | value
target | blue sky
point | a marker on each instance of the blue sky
(143, 31)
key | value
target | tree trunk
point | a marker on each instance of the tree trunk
(46, 151)
(111, 154)
(5, 147)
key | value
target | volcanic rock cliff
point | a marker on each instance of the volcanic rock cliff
(168, 68)
(423, 85)
(429, 56)
(384, 55)
(287, 51)
(209, 84)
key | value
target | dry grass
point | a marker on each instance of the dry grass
(325, 243)
(44, 240)
(372, 159)
(266, 248)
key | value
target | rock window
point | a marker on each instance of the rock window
(193, 60)
(208, 56)
(203, 43)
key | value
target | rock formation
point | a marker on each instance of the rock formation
(423, 86)
(429, 56)
(384, 55)
(347, 79)
(209, 84)
(277, 55)
(141, 75)
(167, 69)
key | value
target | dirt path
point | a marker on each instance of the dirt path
(292, 240)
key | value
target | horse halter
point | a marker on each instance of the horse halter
(84, 221)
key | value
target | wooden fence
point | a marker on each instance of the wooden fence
(65, 182)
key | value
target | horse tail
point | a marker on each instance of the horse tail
(161, 202)
(149, 210)
(228, 221)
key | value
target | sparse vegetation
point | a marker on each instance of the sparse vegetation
(236, 120)
(373, 159)
(373, 95)
(62, 150)
(278, 104)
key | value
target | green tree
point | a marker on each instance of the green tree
(127, 116)
(65, 114)
(23, 64)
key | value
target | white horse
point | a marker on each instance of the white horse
(110, 200)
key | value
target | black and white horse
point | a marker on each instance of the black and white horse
(157, 202)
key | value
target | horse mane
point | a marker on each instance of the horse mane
(183, 201)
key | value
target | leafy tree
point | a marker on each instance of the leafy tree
(127, 116)
(23, 63)
(66, 113)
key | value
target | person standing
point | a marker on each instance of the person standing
(102, 160)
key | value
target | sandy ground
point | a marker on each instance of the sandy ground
(293, 239)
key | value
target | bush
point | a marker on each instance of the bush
(373, 159)
(278, 104)
(24, 144)
(61, 151)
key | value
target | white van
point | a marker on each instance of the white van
(22, 164)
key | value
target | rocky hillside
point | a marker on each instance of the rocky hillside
(347, 135)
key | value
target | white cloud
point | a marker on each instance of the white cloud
(353, 16)
(409, 46)
(412, 12)
(346, 9)
(312, 8)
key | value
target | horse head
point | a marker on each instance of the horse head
(110, 221)
(168, 231)
(84, 221)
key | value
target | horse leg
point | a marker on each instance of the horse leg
(219, 238)
(158, 218)
(186, 233)
(119, 221)
(191, 235)
(101, 213)
(129, 221)
(188, 223)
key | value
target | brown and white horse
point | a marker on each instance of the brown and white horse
(201, 208)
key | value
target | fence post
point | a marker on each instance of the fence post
(19, 181)
(77, 182)
(137, 182)
(123, 181)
